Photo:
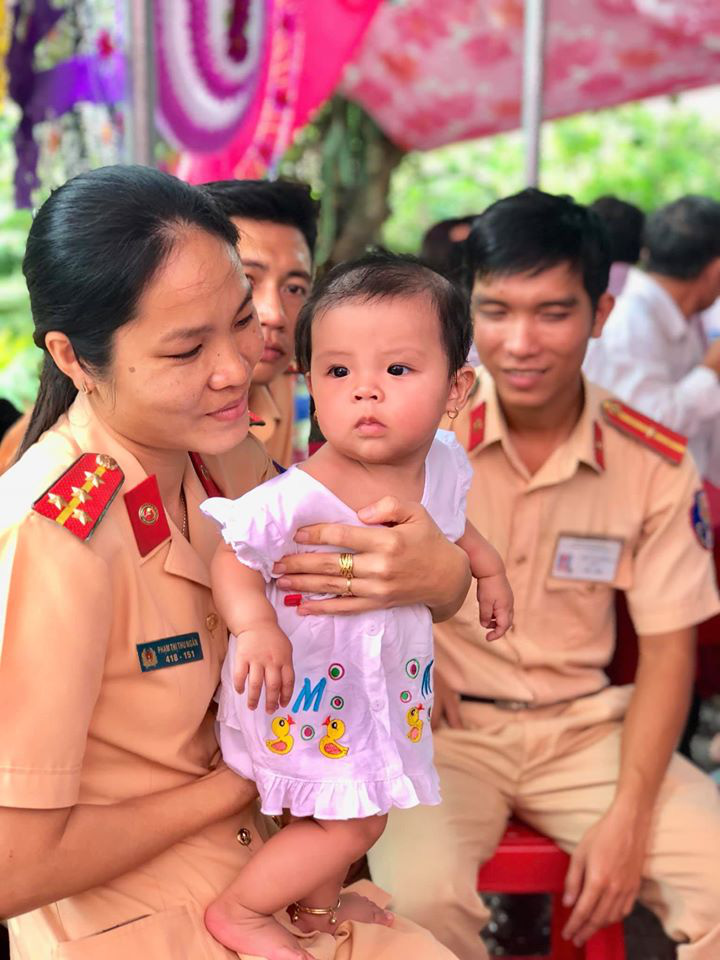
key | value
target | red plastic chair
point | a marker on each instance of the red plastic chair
(527, 862)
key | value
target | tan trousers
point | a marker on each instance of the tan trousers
(556, 768)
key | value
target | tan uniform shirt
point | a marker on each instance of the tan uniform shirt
(604, 513)
(274, 405)
(81, 720)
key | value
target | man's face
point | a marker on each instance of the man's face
(531, 332)
(278, 264)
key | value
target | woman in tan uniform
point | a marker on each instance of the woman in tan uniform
(118, 821)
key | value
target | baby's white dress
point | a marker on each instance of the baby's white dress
(355, 739)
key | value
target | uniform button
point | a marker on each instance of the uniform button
(378, 704)
(372, 627)
(244, 836)
(211, 621)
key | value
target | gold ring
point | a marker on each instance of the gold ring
(348, 588)
(346, 565)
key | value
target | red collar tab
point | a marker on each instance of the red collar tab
(598, 445)
(147, 515)
(649, 432)
(209, 485)
(255, 421)
(80, 498)
(477, 425)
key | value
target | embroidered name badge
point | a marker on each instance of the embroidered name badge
(169, 652)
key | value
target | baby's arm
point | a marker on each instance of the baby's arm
(263, 652)
(493, 590)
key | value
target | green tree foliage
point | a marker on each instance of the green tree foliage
(648, 155)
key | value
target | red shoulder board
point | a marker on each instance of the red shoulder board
(79, 499)
(255, 421)
(477, 426)
(649, 432)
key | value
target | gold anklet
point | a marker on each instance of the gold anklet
(295, 909)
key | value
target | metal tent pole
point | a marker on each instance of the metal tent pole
(533, 78)
(141, 83)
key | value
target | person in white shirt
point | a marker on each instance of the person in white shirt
(653, 351)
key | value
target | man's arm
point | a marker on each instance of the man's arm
(605, 870)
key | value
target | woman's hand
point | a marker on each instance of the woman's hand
(407, 561)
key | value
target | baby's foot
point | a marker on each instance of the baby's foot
(352, 907)
(245, 931)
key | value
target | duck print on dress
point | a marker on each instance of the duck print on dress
(283, 741)
(330, 745)
(415, 723)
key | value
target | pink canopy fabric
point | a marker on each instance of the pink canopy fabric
(435, 72)
(232, 97)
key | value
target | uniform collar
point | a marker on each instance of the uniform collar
(665, 312)
(182, 559)
(584, 445)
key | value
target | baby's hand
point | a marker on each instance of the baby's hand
(264, 654)
(496, 604)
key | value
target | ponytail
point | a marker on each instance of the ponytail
(55, 394)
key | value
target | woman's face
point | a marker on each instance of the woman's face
(181, 369)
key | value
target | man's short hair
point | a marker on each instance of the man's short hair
(682, 238)
(286, 202)
(624, 223)
(533, 231)
(380, 275)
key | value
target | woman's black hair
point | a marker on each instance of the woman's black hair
(93, 248)
(380, 275)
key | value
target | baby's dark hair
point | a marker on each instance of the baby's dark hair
(380, 275)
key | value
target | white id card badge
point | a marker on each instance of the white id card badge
(586, 558)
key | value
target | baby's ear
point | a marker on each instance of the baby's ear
(461, 386)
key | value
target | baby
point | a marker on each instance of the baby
(345, 733)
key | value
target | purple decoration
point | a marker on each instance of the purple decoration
(46, 94)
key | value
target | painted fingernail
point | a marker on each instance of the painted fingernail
(293, 600)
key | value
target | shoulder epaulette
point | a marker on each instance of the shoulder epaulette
(80, 497)
(649, 432)
(255, 421)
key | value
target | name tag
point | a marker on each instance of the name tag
(169, 652)
(587, 558)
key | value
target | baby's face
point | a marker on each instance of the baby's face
(379, 377)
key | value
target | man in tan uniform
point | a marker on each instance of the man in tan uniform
(583, 497)
(277, 222)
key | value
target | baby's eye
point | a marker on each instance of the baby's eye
(398, 370)
(338, 371)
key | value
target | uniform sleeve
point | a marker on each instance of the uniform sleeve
(448, 484)
(252, 528)
(673, 571)
(55, 608)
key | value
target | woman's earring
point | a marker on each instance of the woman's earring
(452, 414)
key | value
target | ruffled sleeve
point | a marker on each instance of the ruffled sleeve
(253, 528)
(448, 479)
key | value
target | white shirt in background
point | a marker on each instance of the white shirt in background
(650, 355)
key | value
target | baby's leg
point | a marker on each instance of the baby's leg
(356, 836)
(305, 862)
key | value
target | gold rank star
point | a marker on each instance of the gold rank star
(57, 501)
(81, 495)
(93, 478)
(80, 515)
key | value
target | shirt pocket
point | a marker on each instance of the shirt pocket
(167, 935)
